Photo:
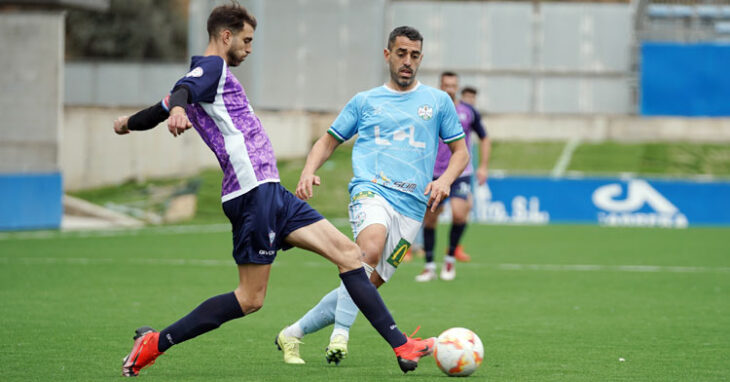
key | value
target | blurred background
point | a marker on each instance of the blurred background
(600, 112)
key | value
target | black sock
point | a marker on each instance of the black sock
(457, 230)
(368, 300)
(429, 241)
(207, 316)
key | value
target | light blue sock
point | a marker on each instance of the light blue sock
(346, 311)
(323, 314)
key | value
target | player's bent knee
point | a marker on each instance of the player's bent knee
(349, 258)
(249, 304)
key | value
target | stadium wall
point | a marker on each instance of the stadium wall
(31, 84)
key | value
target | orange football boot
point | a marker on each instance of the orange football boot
(412, 351)
(144, 351)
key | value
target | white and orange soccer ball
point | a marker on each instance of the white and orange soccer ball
(458, 352)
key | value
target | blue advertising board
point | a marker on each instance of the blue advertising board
(685, 79)
(604, 201)
(30, 201)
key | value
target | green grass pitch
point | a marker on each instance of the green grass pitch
(556, 303)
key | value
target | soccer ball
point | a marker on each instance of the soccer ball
(458, 352)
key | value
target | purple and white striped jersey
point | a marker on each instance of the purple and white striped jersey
(219, 110)
(470, 121)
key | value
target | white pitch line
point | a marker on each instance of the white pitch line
(315, 264)
(161, 230)
(562, 164)
(612, 268)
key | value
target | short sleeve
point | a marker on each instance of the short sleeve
(450, 129)
(345, 125)
(203, 79)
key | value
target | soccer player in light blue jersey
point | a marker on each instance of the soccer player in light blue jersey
(398, 126)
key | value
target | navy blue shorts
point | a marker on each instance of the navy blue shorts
(262, 218)
(461, 188)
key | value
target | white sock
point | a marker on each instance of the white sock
(294, 330)
(340, 331)
(449, 260)
(431, 266)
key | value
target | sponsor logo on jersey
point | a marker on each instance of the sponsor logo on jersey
(626, 211)
(425, 112)
(197, 72)
(405, 186)
(399, 252)
(265, 252)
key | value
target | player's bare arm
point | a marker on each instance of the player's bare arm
(321, 151)
(485, 148)
(440, 188)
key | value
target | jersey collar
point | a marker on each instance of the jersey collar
(418, 84)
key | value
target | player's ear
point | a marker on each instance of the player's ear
(226, 36)
(386, 53)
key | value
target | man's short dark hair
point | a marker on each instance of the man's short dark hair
(468, 89)
(232, 17)
(409, 32)
(448, 74)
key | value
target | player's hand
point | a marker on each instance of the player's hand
(482, 174)
(439, 191)
(120, 125)
(304, 187)
(178, 121)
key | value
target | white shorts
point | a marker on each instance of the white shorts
(369, 208)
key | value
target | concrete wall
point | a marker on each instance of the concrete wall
(607, 128)
(31, 90)
(91, 155)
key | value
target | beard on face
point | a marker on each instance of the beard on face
(401, 81)
(233, 59)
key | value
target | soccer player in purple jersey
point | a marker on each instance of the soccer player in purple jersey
(460, 197)
(265, 216)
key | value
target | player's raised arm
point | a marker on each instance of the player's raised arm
(321, 151)
(441, 187)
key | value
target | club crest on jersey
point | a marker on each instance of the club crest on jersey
(197, 72)
(272, 236)
(425, 112)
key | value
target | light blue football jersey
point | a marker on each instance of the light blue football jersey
(397, 142)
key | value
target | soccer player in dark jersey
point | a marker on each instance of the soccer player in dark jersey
(460, 197)
(265, 216)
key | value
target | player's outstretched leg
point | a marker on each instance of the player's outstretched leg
(323, 238)
(144, 351)
(408, 350)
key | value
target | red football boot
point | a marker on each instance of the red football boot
(144, 351)
(412, 351)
